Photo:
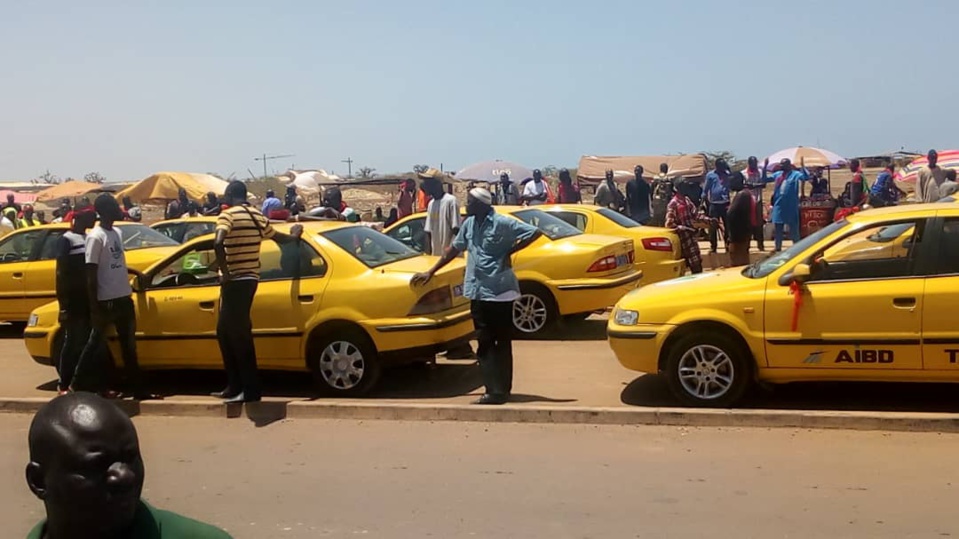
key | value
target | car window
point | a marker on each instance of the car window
(617, 218)
(576, 219)
(142, 237)
(195, 230)
(49, 249)
(880, 251)
(370, 247)
(296, 260)
(19, 247)
(552, 227)
(174, 231)
(196, 267)
(947, 262)
(764, 267)
(411, 234)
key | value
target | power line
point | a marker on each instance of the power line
(349, 166)
(266, 158)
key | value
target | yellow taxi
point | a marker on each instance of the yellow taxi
(338, 304)
(564, 273)
(835, 306)
(28, 266)
(658, 253)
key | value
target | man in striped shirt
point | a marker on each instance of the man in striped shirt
(239, 231)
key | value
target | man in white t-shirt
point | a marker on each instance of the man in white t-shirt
(108, 282)
(442, 217)
(534, 192)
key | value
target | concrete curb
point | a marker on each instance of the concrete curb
(274, 410)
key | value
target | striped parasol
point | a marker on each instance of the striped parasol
(948, 159)
(814, 157)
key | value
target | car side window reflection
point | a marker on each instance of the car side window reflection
(883, 251)
(196, 267)
(576, 219)
(411, 234)
(49, 249)
(296, 260)
(948, 253)
(19, 247)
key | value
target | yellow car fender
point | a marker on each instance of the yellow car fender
(338, 313)
(752, 338)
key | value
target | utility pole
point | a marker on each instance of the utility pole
(349, 166)
(266, 158)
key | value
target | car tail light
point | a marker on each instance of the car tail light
(436, 301)
(632, 256)
(657, 244)
(607, 263)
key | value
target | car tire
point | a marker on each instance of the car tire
(534, 312)
(344, 363)
(708, 369)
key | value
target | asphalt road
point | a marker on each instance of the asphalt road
(341, 479)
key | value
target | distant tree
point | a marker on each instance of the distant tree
(94, 177)
(47, 178)
(366, 173)
(550, 171)
(419, 169)
(734, 162)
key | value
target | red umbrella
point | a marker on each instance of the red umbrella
(19, 198)
(948, 159)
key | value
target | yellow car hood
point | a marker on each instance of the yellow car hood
(694, 290)
(141, 259)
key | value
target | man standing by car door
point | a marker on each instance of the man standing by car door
(72, 294)
(442, 217)
(239, 231)
(490, 239)
(108, 286)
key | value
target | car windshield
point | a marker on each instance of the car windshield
(142, 237)
(617, 218)
(553, 227)
(369, 246)
(762, 268)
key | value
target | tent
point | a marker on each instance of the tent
(164, 186)
(70, 189)
(592, 169)
(489, 171)
(19, 198)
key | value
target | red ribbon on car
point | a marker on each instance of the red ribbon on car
(796, 290)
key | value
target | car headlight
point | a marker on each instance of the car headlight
(626, 318)
(33, 321)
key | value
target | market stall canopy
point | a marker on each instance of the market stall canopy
(165, 186)
(948, 159)
(593, 168)
(489, 171)
(71, 189)
(19, 198)
(813, 157)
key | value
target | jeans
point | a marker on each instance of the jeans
(234, 331)
(493, 321)
(91, 371)
(716, 211)
(76, 333)
(793, 234)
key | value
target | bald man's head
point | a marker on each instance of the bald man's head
(85, 465)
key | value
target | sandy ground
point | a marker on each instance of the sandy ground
(341, 479)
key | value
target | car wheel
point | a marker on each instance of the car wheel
(534, 312)
(344, 363)
(708, 369)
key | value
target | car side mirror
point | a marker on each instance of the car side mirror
(138, 285)
(800, 274)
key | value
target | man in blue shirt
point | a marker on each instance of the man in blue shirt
(716, 195)
(490, 239)
(885, 192)
(271, 204)
(786, 198)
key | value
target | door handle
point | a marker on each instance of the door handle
(305, 299)
(207, 305)
(904, 303)
(18, 275)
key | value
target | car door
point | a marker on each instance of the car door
(940, 328)
(411, 233)
(40, 278)
(177, 309)
(293, 277)
(16, 252)
(861, 308)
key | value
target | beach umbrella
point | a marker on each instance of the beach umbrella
(70, 189)
(489, 171)
(948, 159)
(814, 157)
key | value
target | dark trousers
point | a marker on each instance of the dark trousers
(76, 333)
(716, 211)
(493, 321)
(758, 231)
(234, 331)
(91, 373)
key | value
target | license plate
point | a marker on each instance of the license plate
(622, 260)
(457, 290)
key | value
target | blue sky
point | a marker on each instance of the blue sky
(130, 88)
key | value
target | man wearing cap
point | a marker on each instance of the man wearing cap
(490, 284)
(785, 200)
(535, 192)
(29, 219)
